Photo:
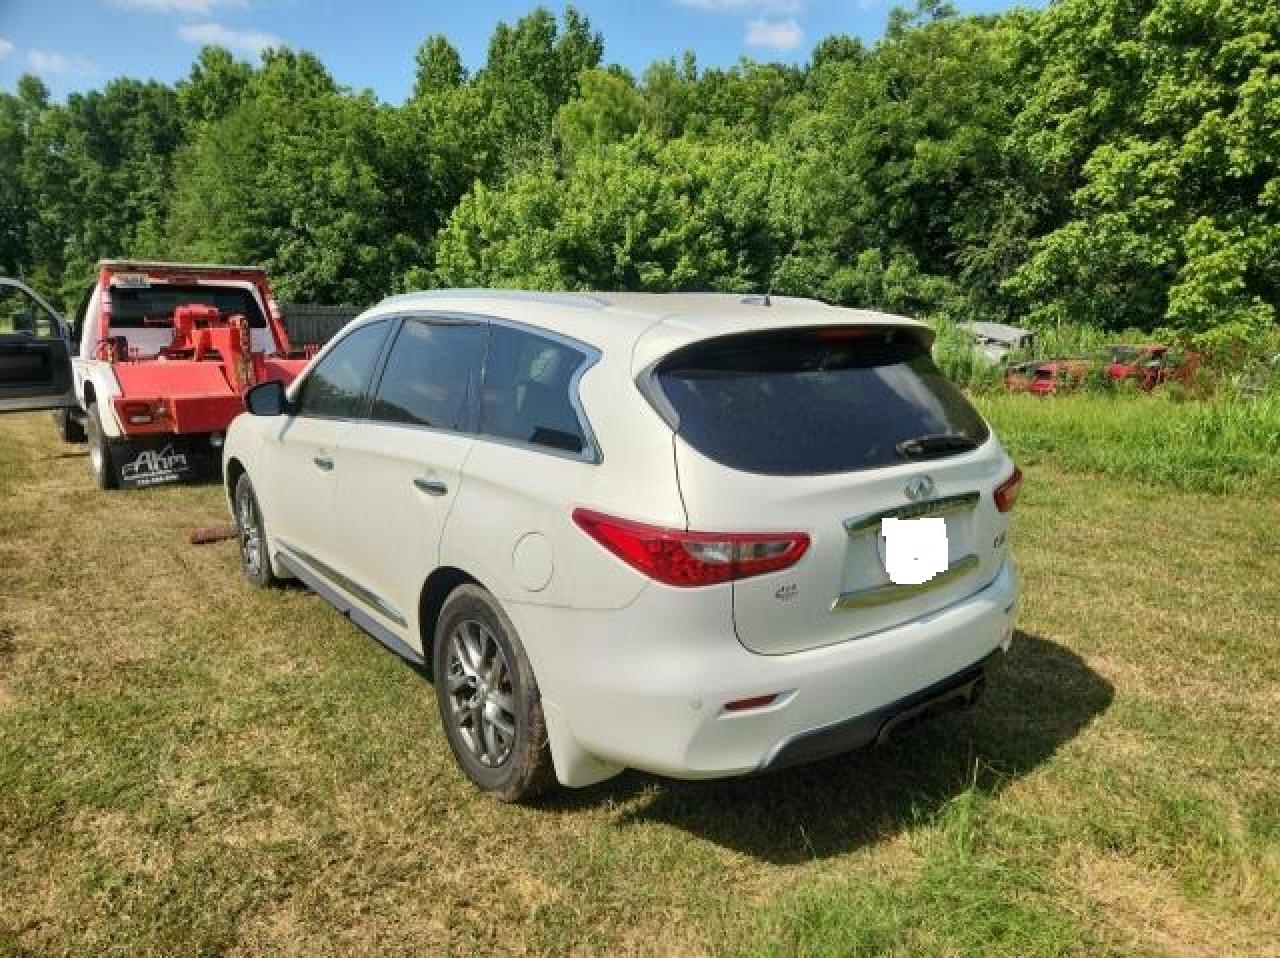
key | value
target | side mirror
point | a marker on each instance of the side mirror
(267, 399)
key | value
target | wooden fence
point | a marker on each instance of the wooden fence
(313, 323)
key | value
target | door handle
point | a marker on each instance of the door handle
(324, 462)
(432, 487)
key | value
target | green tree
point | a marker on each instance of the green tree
(640, 214)
(439, 67)
(19, 114)
(291, 179)
(1151, 128)
(608, 108)
(214, 87)
(898, 161)
(98, 171)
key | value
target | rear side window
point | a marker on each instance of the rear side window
(335, 387)
(432, 375)
(527, 393)
(138, 308)
(815, 401)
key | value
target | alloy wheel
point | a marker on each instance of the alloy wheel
(250, 539)
(481, 695)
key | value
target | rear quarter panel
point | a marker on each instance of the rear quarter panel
(518, 497)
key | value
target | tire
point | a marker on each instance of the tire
(103, 459)
(255, 563)
(477, 652)
(69, 428)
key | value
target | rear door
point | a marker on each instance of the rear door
(35, 352)
(831, 431)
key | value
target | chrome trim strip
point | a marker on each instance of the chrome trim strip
(372, 600)
(592, 453)
(896, 592)
(361, 619)
(860, 525)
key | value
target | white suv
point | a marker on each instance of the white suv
(637, 530)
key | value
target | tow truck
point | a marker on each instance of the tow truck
(153, 368)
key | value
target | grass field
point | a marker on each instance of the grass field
(188, 766)
(1223, 445)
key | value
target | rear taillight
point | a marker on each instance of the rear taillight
(690, 559)
(1006, 494)
(755, 702)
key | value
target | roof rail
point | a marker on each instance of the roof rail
(579, 300)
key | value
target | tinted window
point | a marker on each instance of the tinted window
(808, 402)
(336, 385)
(19, 313)
(133, 308)
(526, 393)
(431, 375)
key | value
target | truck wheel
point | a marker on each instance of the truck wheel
(254, 560)
(68, 427)
(489, 701)
(102, 452)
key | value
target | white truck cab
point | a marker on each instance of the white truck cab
(154, 366)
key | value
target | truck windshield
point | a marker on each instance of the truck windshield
(134, 308)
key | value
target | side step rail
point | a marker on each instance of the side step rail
(357, 615)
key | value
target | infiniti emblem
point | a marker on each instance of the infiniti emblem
(921, 487)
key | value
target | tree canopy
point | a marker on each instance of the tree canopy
(1112, 162)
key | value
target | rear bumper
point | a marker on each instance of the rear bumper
(645, 687)
(190, 415)
(955, 691)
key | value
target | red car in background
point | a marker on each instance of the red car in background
(1147, 365)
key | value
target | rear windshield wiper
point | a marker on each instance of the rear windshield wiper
(936, 445)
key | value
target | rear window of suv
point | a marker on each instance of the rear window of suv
(815, 401)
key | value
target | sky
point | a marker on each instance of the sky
(76, 45)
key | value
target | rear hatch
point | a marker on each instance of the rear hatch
(829, 431)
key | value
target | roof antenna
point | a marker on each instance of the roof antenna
(777, 267)
(768, 293)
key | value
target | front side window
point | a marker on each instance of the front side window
(527, 390)
(335, 386)
(432, 375)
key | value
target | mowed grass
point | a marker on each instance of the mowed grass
(189, 766)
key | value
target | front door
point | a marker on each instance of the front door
(402, 467)
(296, 489)
(35, 352)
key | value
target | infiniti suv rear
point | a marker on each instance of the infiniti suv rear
(642, 530)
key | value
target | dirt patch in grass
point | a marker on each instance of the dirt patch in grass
(1145, 910)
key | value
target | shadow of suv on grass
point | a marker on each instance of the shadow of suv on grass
(1042, 698)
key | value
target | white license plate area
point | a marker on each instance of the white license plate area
(865, 557)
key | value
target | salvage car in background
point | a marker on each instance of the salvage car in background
(1144, 366)
(996, 342)
(153, 369)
